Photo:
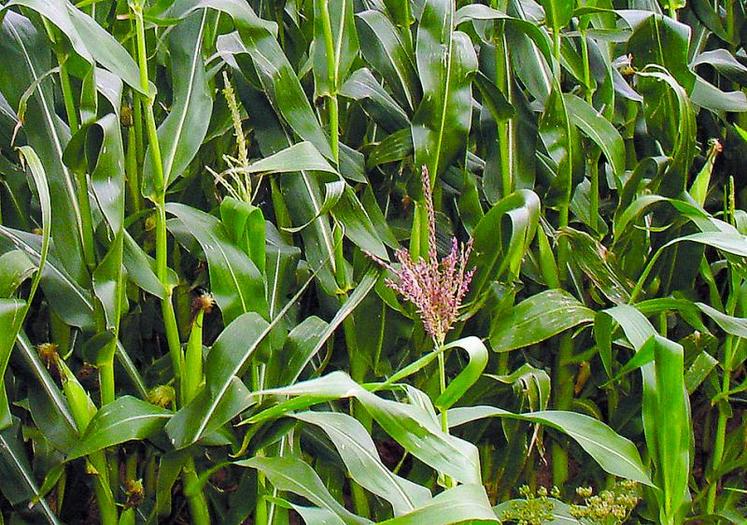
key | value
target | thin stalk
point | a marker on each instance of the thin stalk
(67, 93)
(448, 481)
(505, 128)
(159, 199)
(592, 155)
(332, 107)
(719, 443)
(131, 169)
(197, 502)
(82, 410)
(441, 388)
(193, 359)
(563, 386)
(89, 255)
(594, 190)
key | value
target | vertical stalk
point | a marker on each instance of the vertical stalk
(332, 107)
(131, 168)
(197, 502)
(84, 204)
(193, 359)
(592, 151)
(505, 128)
(67, 93)
(82, 410)
(159, 199)
(562, 371)
(719, 441)
(448, 481)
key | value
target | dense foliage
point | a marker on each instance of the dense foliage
(355, 261)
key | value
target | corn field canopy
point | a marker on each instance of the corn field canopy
(344, 262)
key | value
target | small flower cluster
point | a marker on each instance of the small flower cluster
(535, 509)
(435, 288)
(610, 507)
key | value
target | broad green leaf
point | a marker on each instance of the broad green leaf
(293, 475)
(410, 425)
(446, 62)
(664, 398)
(458, 386)
(124, 419)
(384, 51)
(733, 325)
(276, 75)
(671, 120)
(235, 282)
(461, 503)
(69, 300)
(97, 149)
(89, 39)
(378, 103)
(558, 13)
(344, 40)
(246, 225)
(287, 364)
(359, 454)
(502, 238)
(15, 267)
(27, 56)
(14, 311)
(48, 407)
(529, 382)
(614, 453)
(300, 192)
(723, 62)
(598, 265)
(20, 483)
(219, 400)
(476, 12)
(298, 157)
(708, 96)
(598, 129)
(180, 134)
(357, 225)
(536, 319)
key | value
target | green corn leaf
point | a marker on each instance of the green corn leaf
(89, 40)
(413, 427)
(536, 319)
(378, 103)
(124, 419)
(359, 454)
(383, 48)
(461, 503)
(293, 475)
(496, 253)
(235, 281)
(345, 45)
(28, 57)
(15, 468)
(446, 63)
(181, 133)
(614, 453)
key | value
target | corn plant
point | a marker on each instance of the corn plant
(373, 261)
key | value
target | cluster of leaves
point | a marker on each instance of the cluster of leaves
(193, 194)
